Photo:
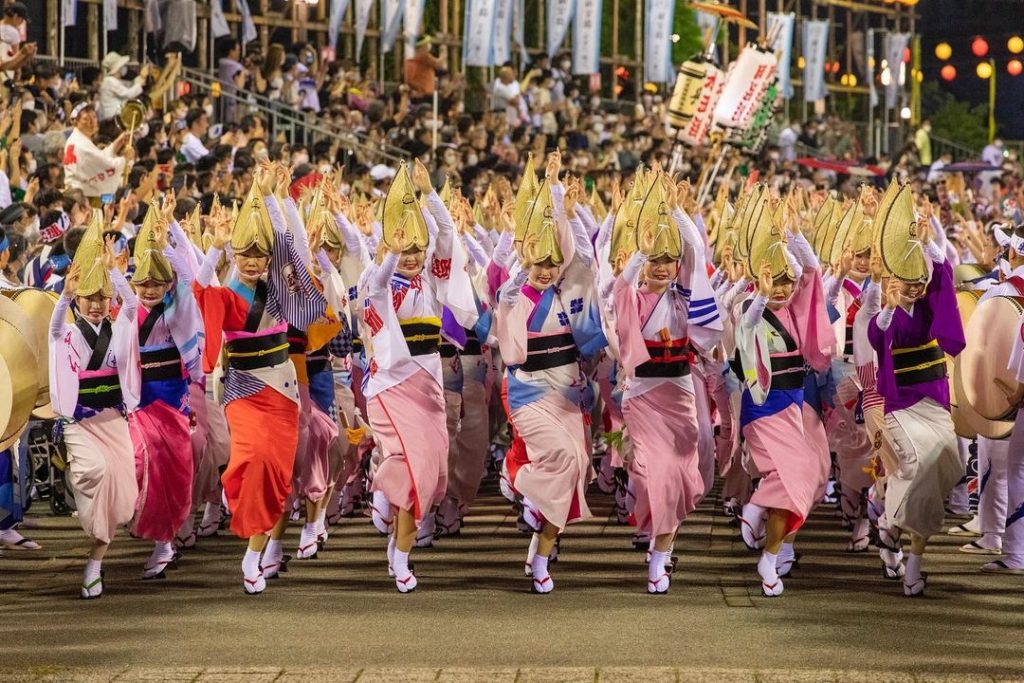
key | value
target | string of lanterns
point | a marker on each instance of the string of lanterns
(980, 49)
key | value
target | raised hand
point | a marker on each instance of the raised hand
(71, 280)
(764, 279)
(893, 294)
(553, 166)
(876, 268)
(421, 178)
(109, 258)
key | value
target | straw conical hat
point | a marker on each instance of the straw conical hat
(597, 206)
(400, 208)
(93, 276)
(902, 253)
(822, 221)
(654, 212)
(540, 242)
(768, 240)
(525, 197)
(150, 263)
(252, 228)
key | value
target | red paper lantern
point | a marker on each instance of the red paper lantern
(1014, 67)
(979, 47)
(948, 72)
(906, 55)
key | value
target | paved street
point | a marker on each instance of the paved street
(339, 617)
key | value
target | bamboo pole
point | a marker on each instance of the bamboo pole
(638, 36)
(92, 23)
(615, 45)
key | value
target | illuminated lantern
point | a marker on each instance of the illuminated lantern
(853, 80)
(943, 51)
(979, 47)
(984, 71)
(906, 55)
(844, 79)
(948, 72)
(1015, 45)
(800, 62)
(1014, 67)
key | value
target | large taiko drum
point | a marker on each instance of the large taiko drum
(38, 305)
(19, 384)
(990, 334)
(966, 301)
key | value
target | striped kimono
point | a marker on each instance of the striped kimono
(261, 393)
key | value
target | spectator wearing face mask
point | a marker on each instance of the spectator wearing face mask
(14, 52)
(192, 147)
(114, 90)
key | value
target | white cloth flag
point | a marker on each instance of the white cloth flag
(895, 45)
(70, 8)
(558, 19)
(363, 8)
(706, 20)
(782, 26)
(338, 8)
(519, 29)
(586, 32)
(218, 24)
(151, 18)
(109, 15)
(390, 20)
(658, 41)
(815, 45)
(413, 18)
(503, 11)
(479, 44)
(248, 26)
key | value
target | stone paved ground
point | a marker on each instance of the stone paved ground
(338, 618)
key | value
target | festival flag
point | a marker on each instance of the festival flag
(503, 11)
(479, 44)
(218, 23)
(815, 46)
(895, 45)
(363, 8)
(586, 32)
(781, 26)
(519, 29)
(412, 21)
(109, 15)
(558, 19)
(70, 8)
(658, 41)
(248, 26)
(390, 20)
(338, 8)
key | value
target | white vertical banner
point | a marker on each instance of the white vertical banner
(109, 15)
(895, 45)
(479, 33)
(411, 22)
(363, 8)
(218, 24)
(70, 8)
(705, 21)
(503, 10)
(781, 26)
(248, 26)
(390, 20)
(586, 37)
(338, 8)
(152, 23)
(559, 17)
(658, 41)
(519, 28)
(815, 46)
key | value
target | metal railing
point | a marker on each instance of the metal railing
(299, 127)
(959, 152)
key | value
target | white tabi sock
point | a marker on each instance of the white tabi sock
(786, 553)
(656, 567)
(540, 567)
(766, 567)
(251, 563)
(400, 563)
(211, 514)
(273, 552)
(913, 574)
(92, 570)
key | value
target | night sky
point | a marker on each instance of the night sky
(958, 22)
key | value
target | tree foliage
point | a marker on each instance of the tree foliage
(953, 119)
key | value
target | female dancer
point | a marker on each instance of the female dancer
(546, 322)
(783, 328)
(658, 402)
(404, 394)
(269, 290)
(169, 344)
(94, 378)
(911, 335)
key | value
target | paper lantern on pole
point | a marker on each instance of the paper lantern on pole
(1014, 67)
(984, 71)
(948, 72)
(1015, 45)
(943, 51)
(979, 47)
